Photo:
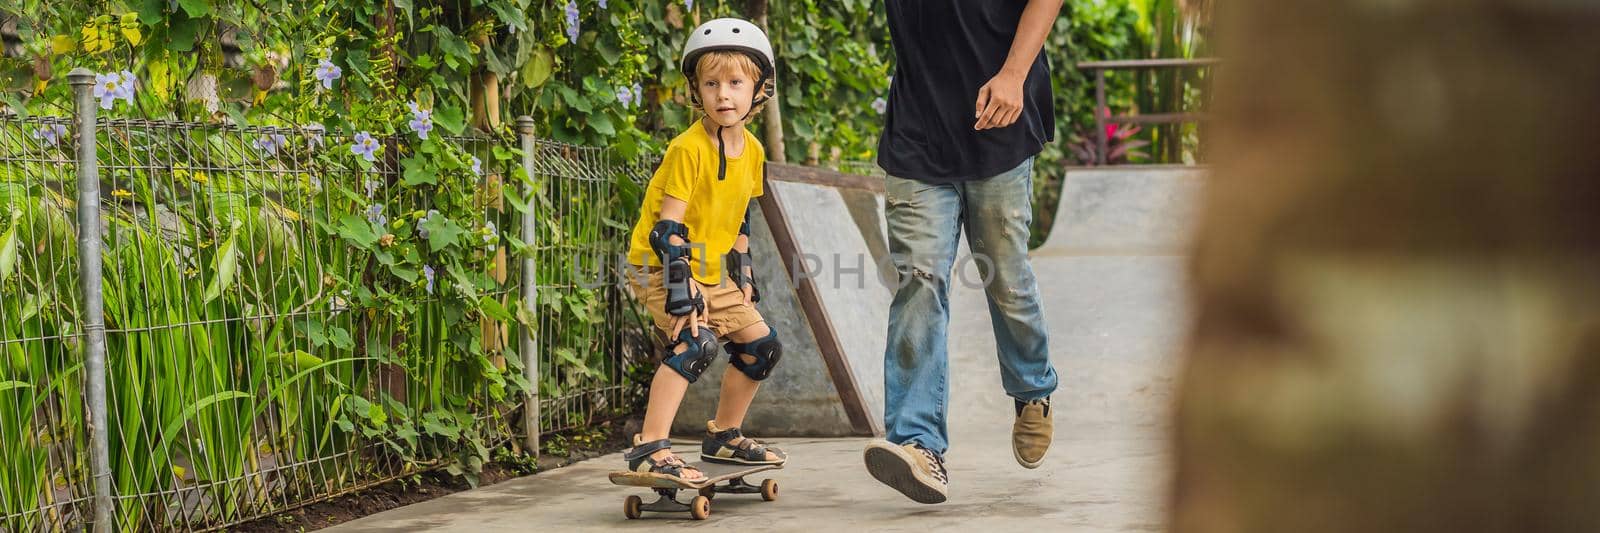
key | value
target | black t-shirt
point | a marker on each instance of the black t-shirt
(944, 51)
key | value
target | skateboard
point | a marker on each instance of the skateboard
(731, 478)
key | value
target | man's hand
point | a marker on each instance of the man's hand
(1000, 101)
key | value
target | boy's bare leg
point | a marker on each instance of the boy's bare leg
(738, 390)
(666, 392)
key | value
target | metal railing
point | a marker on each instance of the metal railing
(185, 354)
(1100, 68)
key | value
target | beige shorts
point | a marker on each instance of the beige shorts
(724, 303)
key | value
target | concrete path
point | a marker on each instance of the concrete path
(1111, 278)
(1096, 481)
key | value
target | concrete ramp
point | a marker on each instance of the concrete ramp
(819, 246)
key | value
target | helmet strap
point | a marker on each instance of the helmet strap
(722, 156)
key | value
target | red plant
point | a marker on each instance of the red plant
(1121, 147)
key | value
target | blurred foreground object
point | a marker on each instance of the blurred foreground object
(1398, 272)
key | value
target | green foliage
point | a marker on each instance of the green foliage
(473, 65)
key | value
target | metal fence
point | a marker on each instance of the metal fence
(219, 366)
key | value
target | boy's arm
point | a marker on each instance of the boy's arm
(741, 268)
(1000, 100)
(670, 239)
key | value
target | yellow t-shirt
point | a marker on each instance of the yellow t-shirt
(716, 209)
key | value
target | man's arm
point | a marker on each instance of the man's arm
(1000, 100)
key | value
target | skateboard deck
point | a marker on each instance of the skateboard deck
(715, 473)
(730, 477)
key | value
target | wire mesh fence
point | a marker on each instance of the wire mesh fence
(43, 480)
(256, 357)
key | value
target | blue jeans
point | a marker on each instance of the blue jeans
(925, 221)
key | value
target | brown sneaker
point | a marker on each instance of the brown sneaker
(915, 471)
(1032, 432)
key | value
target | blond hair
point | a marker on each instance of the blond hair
(720, 61)
(725, 60)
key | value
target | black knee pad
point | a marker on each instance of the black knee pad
(693, 361)
(766, 351)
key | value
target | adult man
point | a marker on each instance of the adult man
(955, 165)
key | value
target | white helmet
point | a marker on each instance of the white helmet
(736, 35)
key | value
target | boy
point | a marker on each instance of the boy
(694, 212)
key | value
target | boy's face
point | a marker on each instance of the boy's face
(726, 95)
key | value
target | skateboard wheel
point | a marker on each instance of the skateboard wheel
(630, 507)
(709, 492)
(769, 489)
(700, 508)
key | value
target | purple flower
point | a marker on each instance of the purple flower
(375, 215)
(625, 95)
(880, 105)
(111, 87)
(572, 20)
(313, 134)
(421, 120)
(372, 187)
(688, 4)
(270, 143)
(477, 166)
(427, 272)
(339, 303)
(326, 72)
(51, 134)
(638, 93)
(365, 146)
(423, 231)
(489, 236)
(128, 82)
(602, 4)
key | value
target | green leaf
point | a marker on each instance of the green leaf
(150, 11)
(608, 52)
(223, 266)
(298, 359)
(406, 274)
(357, 230)
(8, 248)
(8, 385)
(510, 15)
(538, 68)
(194, 408)
(440, 424)
(495, 64)
(196, 8)
(451, 118)
(573, 100)
(453, 46)
(340, 338)
(442, 232)
(181, 33)
(601, 123)
(493, 309)
(511, 195)
(418, 173)
(314, 333)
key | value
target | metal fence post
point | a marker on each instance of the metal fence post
(1102, 113)
(530, 291)
(94, 327)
